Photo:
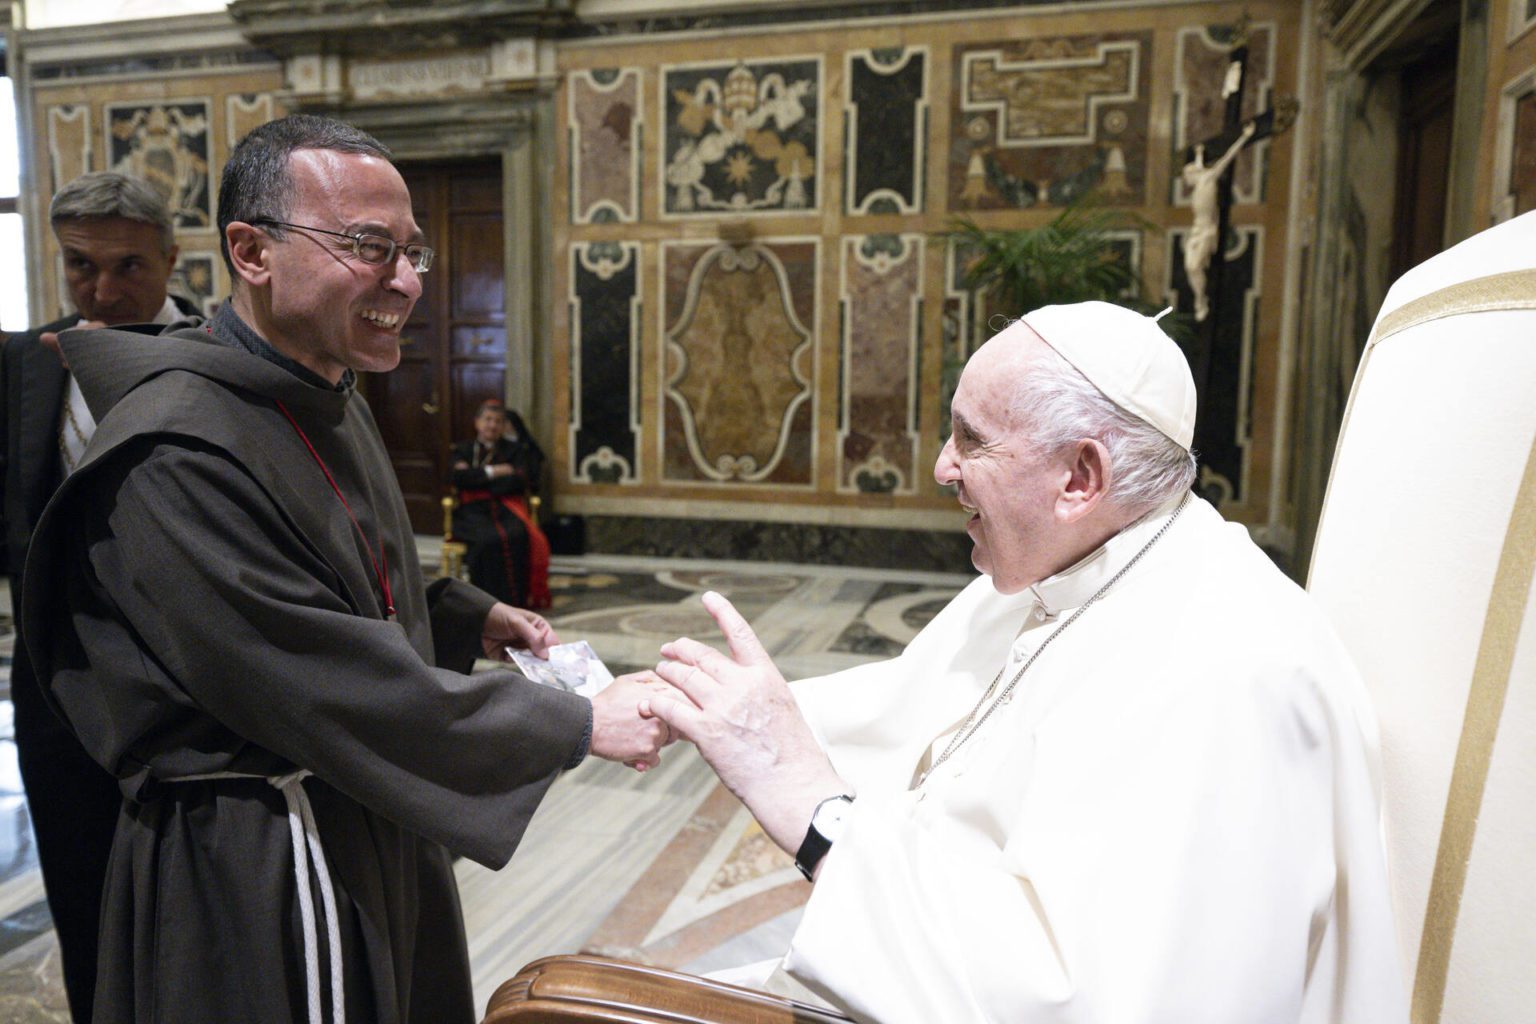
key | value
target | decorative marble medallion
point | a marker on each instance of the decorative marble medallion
(1042, 121)
(604, 118)
(741, 138)
(739, 362)
(887, 118)
(881, 342)
(166, 144)
(605, 354)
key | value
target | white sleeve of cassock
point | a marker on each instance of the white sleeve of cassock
(1174, 868)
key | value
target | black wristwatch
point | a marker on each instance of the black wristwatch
(826, 828)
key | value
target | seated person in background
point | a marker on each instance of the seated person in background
(508, 555)
(1127, 775)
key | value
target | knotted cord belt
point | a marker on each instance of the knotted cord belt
(307, 851)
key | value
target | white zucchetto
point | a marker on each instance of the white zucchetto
(1126, 356)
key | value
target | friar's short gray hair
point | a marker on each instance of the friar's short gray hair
(1059, 407)
(110, 194)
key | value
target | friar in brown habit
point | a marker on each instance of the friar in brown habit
(233, 622)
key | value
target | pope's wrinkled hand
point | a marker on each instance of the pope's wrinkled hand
(620, 732)
(741, 715)
(506, 626)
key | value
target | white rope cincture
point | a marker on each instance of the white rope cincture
(307, 851)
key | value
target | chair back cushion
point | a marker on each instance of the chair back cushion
(1424, 560)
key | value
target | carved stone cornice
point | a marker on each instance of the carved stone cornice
(453, 129)
(1359, 28)
(374, 27)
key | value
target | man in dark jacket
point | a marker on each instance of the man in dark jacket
(119, 250)
(234, 623)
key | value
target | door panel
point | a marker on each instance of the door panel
(479, 290)
(453, 347)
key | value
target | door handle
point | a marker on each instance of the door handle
(430, 406)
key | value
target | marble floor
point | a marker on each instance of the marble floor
(665, 867)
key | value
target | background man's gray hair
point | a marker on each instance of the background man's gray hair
(110, 194)
(256, 185)
(1061, 407)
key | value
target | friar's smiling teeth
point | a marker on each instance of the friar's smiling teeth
(381, 318)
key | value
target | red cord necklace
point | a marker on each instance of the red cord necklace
(381, 573)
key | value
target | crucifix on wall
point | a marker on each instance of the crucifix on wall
(1207, 171)
(1210, 181)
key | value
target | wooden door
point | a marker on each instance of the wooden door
(1424, 157)
(453, 351)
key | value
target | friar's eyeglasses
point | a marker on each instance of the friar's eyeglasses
(375, 249)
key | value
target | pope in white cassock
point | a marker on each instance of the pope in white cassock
(1128, 775)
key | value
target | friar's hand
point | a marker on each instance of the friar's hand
(746, 724)
(619, 732)
(507, 626)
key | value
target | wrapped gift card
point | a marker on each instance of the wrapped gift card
(574, 667)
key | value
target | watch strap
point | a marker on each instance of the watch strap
(815, 845)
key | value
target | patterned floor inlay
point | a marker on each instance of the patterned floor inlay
(719, 877)
(664, 867)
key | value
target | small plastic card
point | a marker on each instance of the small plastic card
(574, 667)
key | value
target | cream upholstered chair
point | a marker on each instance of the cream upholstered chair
(1424, 561)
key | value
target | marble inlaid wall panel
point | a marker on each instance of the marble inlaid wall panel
(195, 278)
(881, 296)
(171, 121)
(887, 129)
(777, 165)
(1200, 70)
(741, 137)
(245, 111)
(69, 143)
(1226, 402)
(604, 119)
(965, 326)
(1039, 121)
(604, 370)
(1522, 182)
(166, 144)
(738, 368)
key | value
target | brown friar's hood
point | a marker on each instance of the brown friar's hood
(111, 362)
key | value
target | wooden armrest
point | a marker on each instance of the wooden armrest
(583, 989)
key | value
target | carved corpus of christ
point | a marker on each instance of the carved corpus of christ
(1200, 244)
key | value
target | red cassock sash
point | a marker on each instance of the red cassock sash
(538, 544)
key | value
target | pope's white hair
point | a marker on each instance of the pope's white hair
(1058, 407)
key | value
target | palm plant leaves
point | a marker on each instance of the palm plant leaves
(1074, 257)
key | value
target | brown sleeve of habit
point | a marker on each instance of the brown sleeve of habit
(211, 625)
(458, 613)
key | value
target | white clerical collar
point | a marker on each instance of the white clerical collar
(1078, 582)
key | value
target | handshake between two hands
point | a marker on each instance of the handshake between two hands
(735, 708)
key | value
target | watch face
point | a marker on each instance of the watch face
(830, 817)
